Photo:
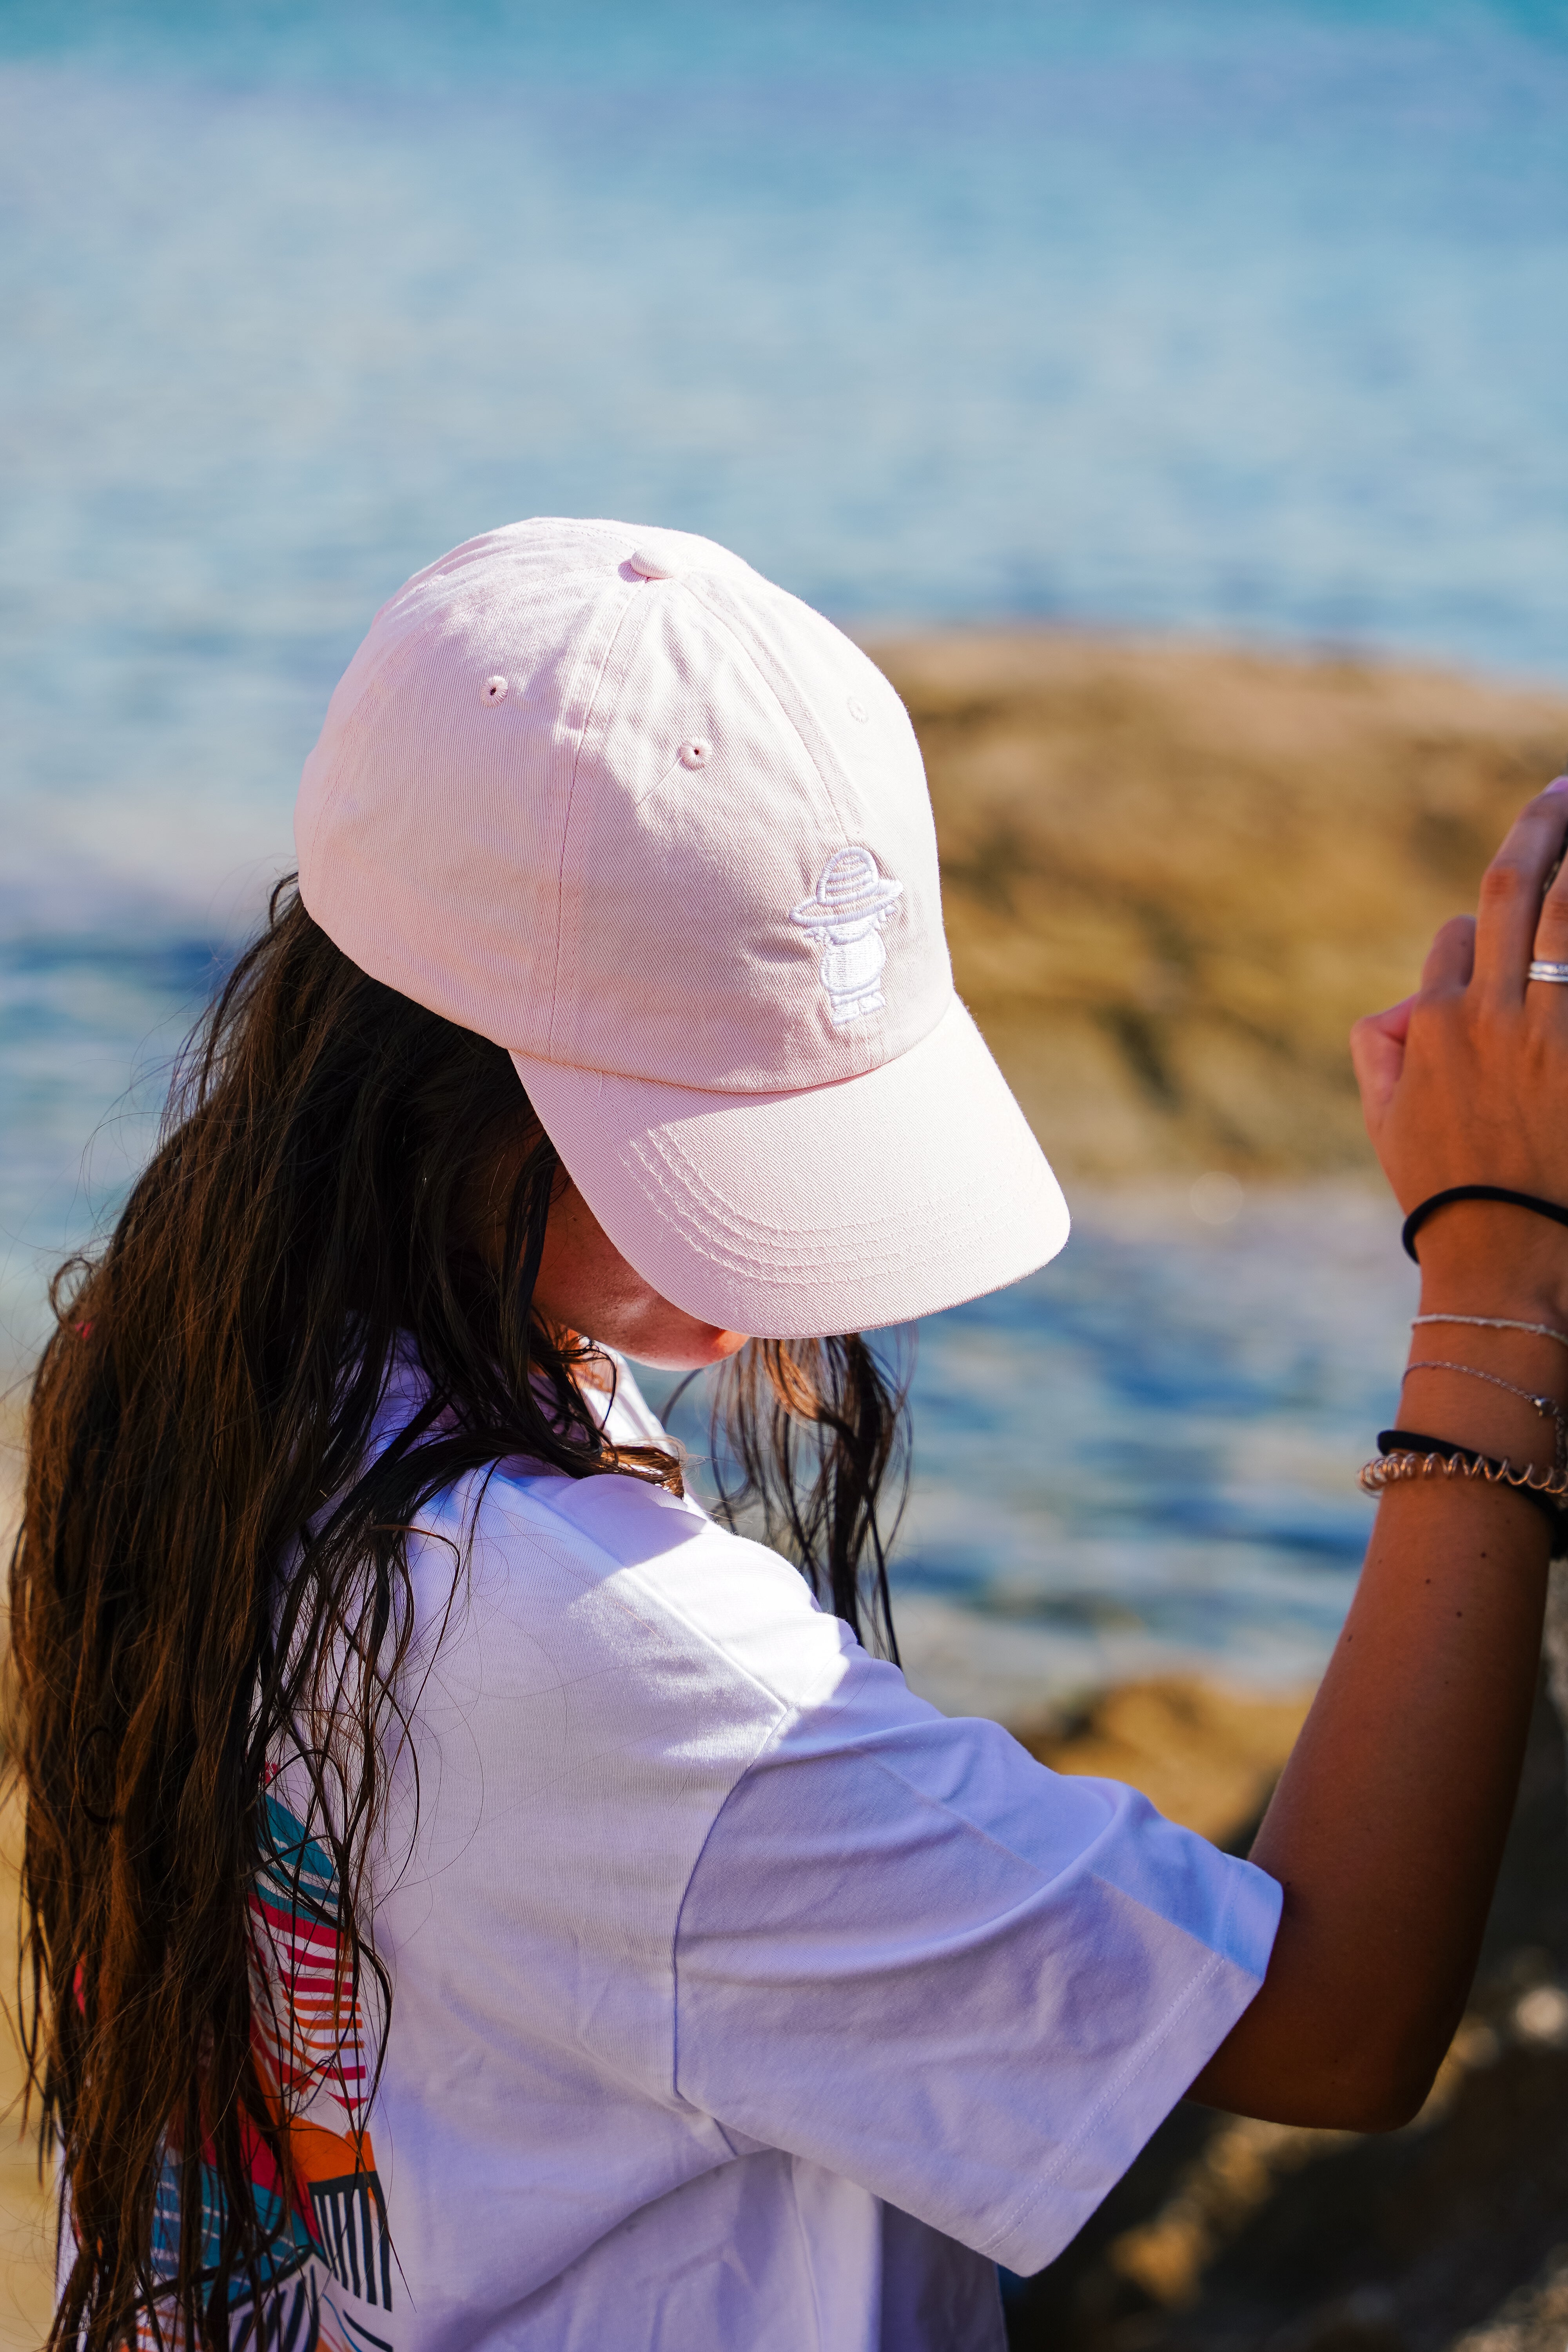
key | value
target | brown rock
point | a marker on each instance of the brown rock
(1174, 875)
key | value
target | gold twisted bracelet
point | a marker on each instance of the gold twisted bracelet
(1545, 1486)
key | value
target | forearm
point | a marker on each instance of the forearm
(1388, 1824)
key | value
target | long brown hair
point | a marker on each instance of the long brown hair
(208, 1534)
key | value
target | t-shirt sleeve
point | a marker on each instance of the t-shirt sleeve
(915, 1956)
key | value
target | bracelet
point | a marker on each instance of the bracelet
(1496, 1323)
(1404, 1454)
(1418, 1215)
(1544, 1405)
(1395, 1469)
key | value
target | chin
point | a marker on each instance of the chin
(687, 1351)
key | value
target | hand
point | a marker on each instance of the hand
(1467, 1081)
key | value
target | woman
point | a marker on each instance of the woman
(473, 1897)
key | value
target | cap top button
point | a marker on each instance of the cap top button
(651, 567)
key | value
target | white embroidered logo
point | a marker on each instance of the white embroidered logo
(852, 900)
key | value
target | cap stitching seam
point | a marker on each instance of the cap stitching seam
(628, 599)
(751, 1246)
(833, 776)
(829, 782)
(825, 775)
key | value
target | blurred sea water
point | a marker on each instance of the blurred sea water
(1159, 314)
(1143, 1457)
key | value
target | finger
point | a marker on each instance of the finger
(1451, 958)
(1511, 891)
(1552, 931)
(1377, 1057)
(1393, 1024)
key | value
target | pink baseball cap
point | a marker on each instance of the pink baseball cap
(608, 797)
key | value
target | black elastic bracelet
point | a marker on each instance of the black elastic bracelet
(1418, 1216)
(1411, 1441)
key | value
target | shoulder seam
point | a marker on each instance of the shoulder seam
(638, 1570)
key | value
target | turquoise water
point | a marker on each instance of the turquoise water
(1161, 314)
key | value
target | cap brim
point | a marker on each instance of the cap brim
(842, 1208)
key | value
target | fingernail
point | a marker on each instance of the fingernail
(1558, 784)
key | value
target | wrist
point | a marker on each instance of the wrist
(1487, 1258)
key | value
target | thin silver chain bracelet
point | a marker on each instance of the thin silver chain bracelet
(1496, 1323)
(1546, 1406)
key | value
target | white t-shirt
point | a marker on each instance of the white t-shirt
(741, 2001)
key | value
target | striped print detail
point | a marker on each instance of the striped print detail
(306, 2020)
(290, 2323)
(351, 2230)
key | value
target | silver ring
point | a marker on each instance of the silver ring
(1553, 972)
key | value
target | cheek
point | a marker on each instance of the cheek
(581, 1272)
(610, 1287)
(661, 1335)
(587, 1284)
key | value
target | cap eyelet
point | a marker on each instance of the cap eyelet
(857, 710)
(495, 689)
(696, 753)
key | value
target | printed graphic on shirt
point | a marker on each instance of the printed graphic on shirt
(328, 2263)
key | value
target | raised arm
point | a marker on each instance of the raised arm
(1388, 1824)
